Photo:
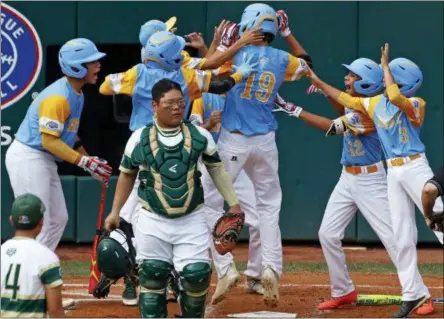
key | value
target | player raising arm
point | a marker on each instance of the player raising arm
(48, 133)
(398, 117)
(362, 184)
(31, 284)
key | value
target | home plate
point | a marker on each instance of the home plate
(263, 314)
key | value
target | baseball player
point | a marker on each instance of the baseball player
(171, 230)
(48, 133)
(433, 189)
(363, 181)
(247, 138)
(31, 284)
(207, 112)
(162, 60)
(398, 117)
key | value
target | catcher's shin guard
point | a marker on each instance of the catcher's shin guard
(153, 276)
(195, 279)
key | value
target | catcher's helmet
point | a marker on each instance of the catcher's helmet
(371, 82)
(113, 255)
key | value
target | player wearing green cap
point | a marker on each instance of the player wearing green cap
(31, 282)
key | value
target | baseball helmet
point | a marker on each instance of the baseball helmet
(407, 75)
(259, 15)
(164, 49)
(114, 256)
(75, 53)
(371, 74)
(151, 27)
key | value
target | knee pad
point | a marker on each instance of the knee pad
(153, 277)
(195, 279)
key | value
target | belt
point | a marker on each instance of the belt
(399, 161)
(356, 170)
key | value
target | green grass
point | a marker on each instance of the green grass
(81, 268)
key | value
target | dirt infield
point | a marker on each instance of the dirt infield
(299, 292)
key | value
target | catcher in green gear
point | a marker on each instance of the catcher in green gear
(171, 230)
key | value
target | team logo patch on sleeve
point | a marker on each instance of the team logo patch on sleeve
(21, 56)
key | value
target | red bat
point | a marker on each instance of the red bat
(94, 274)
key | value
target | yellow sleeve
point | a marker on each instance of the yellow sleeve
(354, 103)
(225, 69)
(197, 82)
(296, 68)
(53, 112)
(60, 149)
(358, 123)
(192, 63)
(197, 112)
(120, 83)
(414, 108)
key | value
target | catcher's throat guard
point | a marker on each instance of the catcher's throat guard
(226, 231)
(116, 258)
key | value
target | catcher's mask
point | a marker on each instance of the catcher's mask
(115, 257)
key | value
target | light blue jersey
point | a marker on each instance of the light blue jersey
(361, 146)
(203, 107)
(138, 82)
(55, 111)
(249, 104)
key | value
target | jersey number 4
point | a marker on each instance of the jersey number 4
(14, 270)
(266, 82)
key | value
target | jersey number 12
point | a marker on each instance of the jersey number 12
(15, 272)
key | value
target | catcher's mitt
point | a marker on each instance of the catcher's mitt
(227, 230)
(437, 222)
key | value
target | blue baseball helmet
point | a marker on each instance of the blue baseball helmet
(164, 50)
(75, 53)
(259, 15)
(407, 75)
(151, 27)
(371, 74)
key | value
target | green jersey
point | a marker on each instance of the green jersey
(168, 167)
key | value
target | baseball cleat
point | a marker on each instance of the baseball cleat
(68, 303)
(253, 286)
(129, 295)
(426, 309)
(407, 307)
(224, 284)
(271, 288)
(336, 302)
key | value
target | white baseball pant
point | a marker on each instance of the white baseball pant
(405, 185)
(368, 193)
(33, 171)
(129, 211)
(244, 190)
(179, 241)
(258, 157)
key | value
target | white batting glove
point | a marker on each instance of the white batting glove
(97, 167)
(284, 25)
(313, 89)
(287, 107)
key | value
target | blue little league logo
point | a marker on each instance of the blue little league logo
(21, 56)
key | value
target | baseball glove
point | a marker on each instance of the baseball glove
(227, 230)
(437, 222)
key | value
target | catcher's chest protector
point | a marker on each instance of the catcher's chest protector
(172, 186)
